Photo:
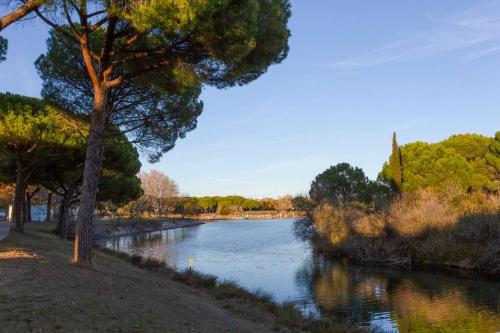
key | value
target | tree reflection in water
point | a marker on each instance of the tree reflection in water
(155, 245)
(266, 255)
(397, 300)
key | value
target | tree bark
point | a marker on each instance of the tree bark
(18, 13)
(63, 223)
(27, 213)
(19, 198)
(91, 175)
(48, 217)
(28, 217)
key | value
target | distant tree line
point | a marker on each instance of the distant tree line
(161, 198)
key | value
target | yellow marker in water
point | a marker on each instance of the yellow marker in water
(190, 262)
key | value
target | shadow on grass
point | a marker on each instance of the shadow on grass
(239, 300)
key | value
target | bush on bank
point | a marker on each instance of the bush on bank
(451, 228)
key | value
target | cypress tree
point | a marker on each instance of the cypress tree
(395, 166)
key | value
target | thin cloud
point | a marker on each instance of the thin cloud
(475, 33)
(415, 123)
(483, 53)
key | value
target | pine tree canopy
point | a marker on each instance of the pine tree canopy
(154, 57)
(469, 161)
(50, 143)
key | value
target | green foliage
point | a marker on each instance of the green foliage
(51, 142)
(152, 117)
(162, 53)
(236, 40)
(466, 161)
(344, 184)
(4, 43)
(251, 204)
(32, 132)
(208, 204)
(302, 203)
(233, 204)
(395, 165)
(119, 182)
(493, 159)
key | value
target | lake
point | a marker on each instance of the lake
(266, 255)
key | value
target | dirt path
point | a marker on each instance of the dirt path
(41, 291)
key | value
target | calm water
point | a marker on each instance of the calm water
(266, 255)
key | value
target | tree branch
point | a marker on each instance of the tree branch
(99, 23)
(70, 21)
(108, 45)
(19, 13)
(86, 53)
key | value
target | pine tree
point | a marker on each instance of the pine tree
(156, 52)
(493, 160)
(395, 166)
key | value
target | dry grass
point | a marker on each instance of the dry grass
(40, 291)
(411, 215)
(16, 254)
(452, 229)
(231, 295)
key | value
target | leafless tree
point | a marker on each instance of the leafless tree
(159, 190)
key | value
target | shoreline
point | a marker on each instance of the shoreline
(285, 314)
(109, 229)
(130, 294)
(455, 269)
(104, 231)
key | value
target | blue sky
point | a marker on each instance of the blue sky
(357, 71)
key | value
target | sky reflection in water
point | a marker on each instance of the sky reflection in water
(266, 255)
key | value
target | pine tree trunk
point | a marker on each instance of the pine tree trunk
(48, 217)
(28, 208)
(19, 198)
(60, 218)
(25, 209)
(63, 224)
(91, 175)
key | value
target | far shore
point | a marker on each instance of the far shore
(251, 216)
(129, 227)
(113, 228)
(108, 229)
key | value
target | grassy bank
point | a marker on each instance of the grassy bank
(451, 229)
(41, 291)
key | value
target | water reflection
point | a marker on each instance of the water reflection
(266, 255)
(400, 301)
(152, 244)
